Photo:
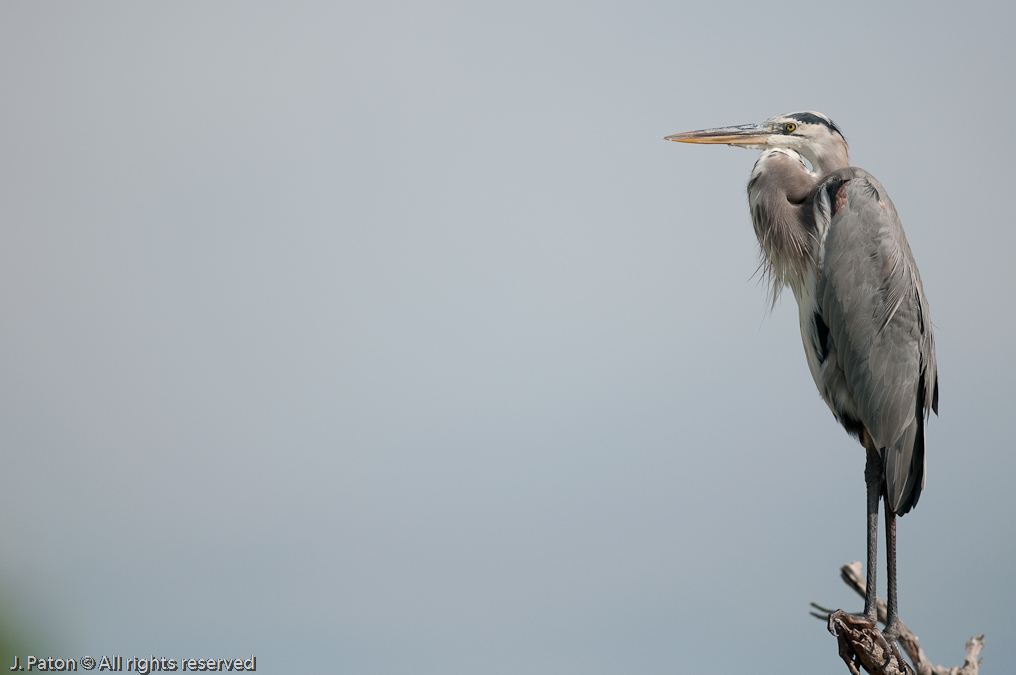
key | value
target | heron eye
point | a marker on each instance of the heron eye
(790, 127)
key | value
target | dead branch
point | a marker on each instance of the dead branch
(861, 646)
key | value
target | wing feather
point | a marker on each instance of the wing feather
(870, 297)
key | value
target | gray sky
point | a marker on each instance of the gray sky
(391, 338)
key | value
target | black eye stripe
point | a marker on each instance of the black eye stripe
(811, 118)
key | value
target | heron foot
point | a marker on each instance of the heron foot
(891, 635)
(854, 631)
(860, 620)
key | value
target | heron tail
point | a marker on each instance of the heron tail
(904, 465)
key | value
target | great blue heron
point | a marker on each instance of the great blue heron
(832, 235)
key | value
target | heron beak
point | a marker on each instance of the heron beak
(745, 135)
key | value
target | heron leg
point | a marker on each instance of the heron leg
(892, 620)
(873, 481)
(868, 618)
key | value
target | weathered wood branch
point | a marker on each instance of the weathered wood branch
(860, 646)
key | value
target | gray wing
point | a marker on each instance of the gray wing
(870, 297)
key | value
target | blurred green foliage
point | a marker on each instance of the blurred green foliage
(16, 636)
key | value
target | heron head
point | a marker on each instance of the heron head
(811, 134)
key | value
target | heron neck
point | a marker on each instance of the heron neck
(830, 159)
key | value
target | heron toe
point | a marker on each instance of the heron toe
(852, 628)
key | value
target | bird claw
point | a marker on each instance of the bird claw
(841, 623)
(894, 652)
(859, 620)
